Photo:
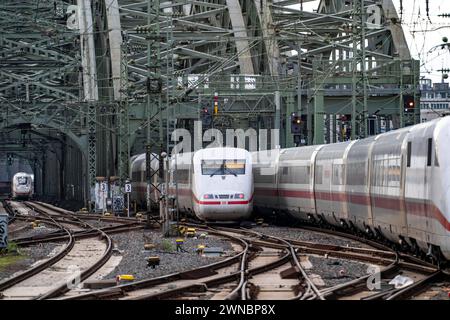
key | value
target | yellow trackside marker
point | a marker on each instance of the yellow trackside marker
(200, 248)
(126, 277)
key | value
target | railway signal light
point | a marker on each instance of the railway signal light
(9, 157)
(296, 122)
(409, 103)
(205, 117)
(216, 103)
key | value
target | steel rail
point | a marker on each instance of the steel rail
(121, 290)
(41, 266)
(63, 288)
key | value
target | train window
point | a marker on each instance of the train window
(264, 175)
(223, 167)
(136, 176)
(297, 174)
(318, 174)
(356, 173)
(22, 180)
(182, 175)
(338, 177)
(394, 172)
(436, 161)
(301, 174)
(408, 156)
(429, 152)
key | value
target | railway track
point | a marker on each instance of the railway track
(376, 286)
(264, 266)
(267, 269)
(86, 250)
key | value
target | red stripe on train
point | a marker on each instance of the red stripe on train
(412, 207)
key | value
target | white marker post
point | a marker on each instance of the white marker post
(128, 191)
(3, 230)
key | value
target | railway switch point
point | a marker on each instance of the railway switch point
(290, 273)
(99, 284)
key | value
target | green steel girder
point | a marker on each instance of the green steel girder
(197, 48)
(40, 63)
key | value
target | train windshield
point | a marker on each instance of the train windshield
(22, 180)
(223, 167)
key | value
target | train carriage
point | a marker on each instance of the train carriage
(139, 179)
(426, 185)
(265, 168)
(222, 184)
(395, 185)
(329, 187)
(295, 181)
(358, 186)
(214, 184)
(386, 185)
(22, 186)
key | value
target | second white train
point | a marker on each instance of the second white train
(214, 184)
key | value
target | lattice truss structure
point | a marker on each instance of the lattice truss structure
(56, 73)
(258, 37)
(247, 49)
(40, 65)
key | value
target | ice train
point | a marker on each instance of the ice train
(22, 186)
(214, 184)
(394, 185)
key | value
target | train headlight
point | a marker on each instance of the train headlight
(239, 196)
(208, 196)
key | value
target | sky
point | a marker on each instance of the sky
(424, 35)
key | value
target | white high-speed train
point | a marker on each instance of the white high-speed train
(395, 185)
(214, 184)
(22, 186)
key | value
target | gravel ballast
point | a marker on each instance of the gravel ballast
(309, 236)
(29, 256)
(134, 261)
(31, 232)
(334, 271)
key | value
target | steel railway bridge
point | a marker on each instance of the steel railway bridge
(84, 84)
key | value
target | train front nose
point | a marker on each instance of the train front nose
(225, 206)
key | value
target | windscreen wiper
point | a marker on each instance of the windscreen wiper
(222, 167)
(233, 173)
